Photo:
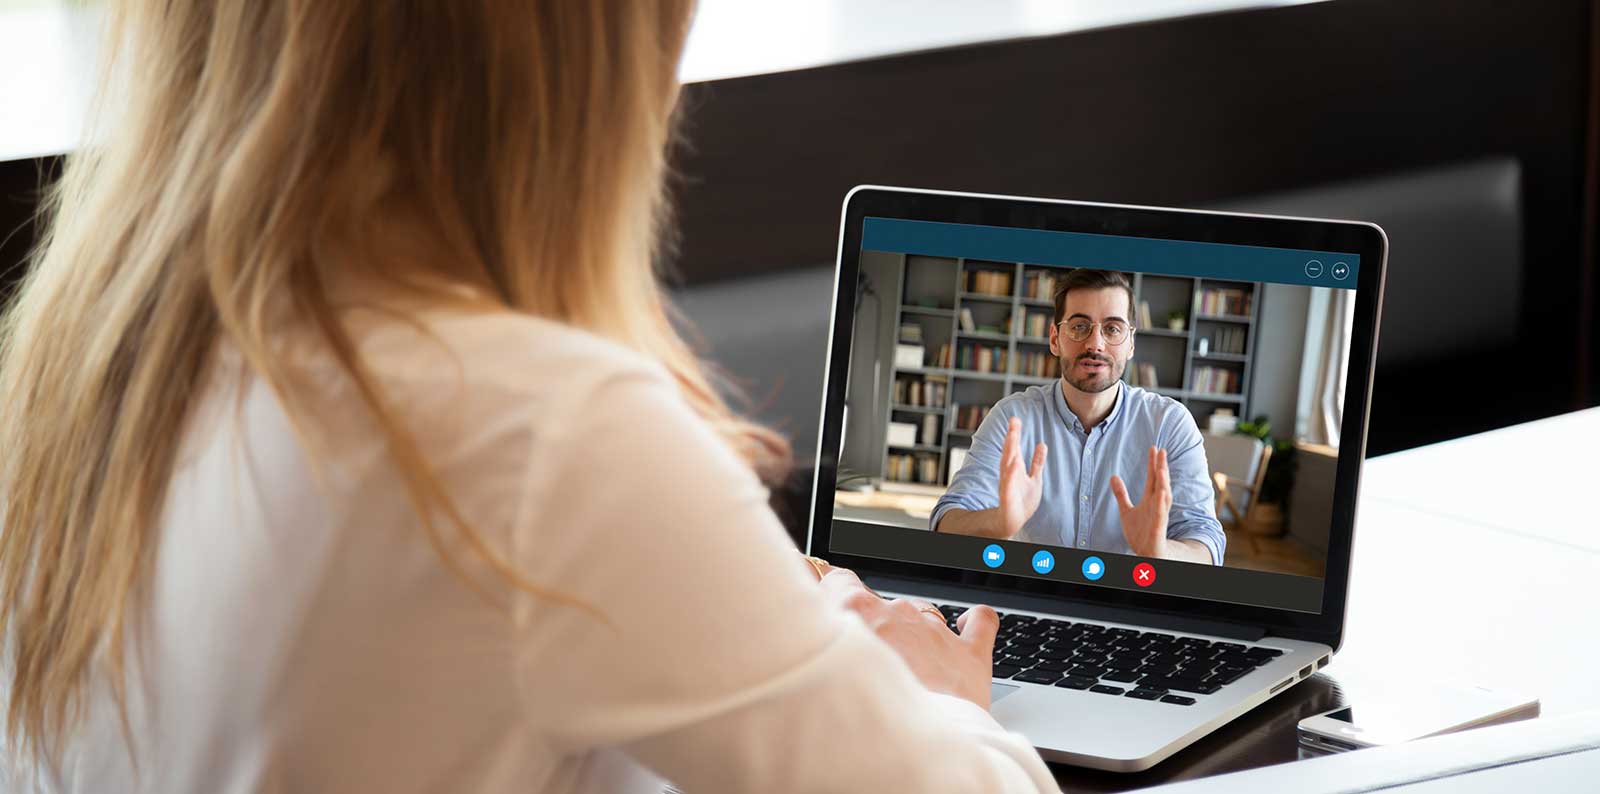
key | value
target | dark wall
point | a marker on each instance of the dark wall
(1189, 112)
(20, 187)
(1194, 112)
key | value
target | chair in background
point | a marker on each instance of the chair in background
(1238, 469)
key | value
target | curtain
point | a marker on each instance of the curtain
(1328, 351)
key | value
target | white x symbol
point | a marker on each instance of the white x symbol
(1144, 574)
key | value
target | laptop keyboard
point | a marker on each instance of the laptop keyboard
(1145, 665)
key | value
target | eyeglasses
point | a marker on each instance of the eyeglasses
(1115, 332)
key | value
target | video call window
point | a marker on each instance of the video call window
(1239, 383)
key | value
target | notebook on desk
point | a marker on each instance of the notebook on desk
(1550, 755)
(969, 330)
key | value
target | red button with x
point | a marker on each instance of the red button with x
(1144, 574)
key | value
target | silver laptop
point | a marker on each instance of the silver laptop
(1136, 432)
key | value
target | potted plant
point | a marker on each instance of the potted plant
(1175, 320)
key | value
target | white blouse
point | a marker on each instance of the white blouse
(301, 633)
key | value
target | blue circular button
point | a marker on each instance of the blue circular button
(1044, 562)
(1094, 568)
(993, 555)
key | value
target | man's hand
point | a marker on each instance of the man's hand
(1020, 489)
(1145, 524)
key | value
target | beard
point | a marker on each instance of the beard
(1093, 382)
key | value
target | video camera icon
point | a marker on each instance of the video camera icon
(993, 555)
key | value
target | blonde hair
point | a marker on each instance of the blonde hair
(237, 180)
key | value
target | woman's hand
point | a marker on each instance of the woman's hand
(816, 566)
(946, 662)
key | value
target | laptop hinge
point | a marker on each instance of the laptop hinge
(1068, 608)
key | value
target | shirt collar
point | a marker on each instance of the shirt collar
(1071, 419)
(1116, 407)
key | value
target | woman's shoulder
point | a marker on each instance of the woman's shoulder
(486, 375)
(500, 350)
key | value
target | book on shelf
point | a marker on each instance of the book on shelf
(926, 394)
(1224, 302)
(1037, 325)
(1039, 285)
(915, 391)
(944, 357)
(911, 333)
(969, 417)
(966, 320)
(1144, 316)
(1035, 363)
(1147, 376)
(958, 458)
(913, 467)
(982, 358)
(1216, 380)
(930, 430)
(1229, 340)
(989, 282)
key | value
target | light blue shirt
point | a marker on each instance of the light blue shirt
(1078, 508)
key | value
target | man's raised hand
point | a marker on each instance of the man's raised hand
(1020, 488)
(1145, 524)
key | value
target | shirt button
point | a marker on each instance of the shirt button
(1084, 498)
(1083, 543)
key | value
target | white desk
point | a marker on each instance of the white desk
(1473, 562)
(1479, 559)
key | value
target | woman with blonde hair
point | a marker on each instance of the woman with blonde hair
(349, 445)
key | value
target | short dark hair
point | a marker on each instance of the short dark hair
(1083, 278)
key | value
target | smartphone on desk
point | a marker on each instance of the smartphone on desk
(1380, 716)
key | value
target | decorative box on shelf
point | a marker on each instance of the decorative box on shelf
(902, 434)
(908, 356)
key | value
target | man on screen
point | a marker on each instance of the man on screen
(1128, 474)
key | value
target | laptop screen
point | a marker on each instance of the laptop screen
(1151, 415)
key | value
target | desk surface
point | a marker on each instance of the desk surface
(1475, 560)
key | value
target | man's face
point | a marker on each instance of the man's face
(1094, 364)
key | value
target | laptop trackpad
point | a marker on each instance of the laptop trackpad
(997, 691)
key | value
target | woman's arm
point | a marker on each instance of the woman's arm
(722, 664)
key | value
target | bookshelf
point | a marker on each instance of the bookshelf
(945, 375)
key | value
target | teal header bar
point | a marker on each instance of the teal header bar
(1113, 252)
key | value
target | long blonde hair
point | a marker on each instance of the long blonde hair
(250, 142)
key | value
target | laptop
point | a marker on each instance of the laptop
(1148, 345)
